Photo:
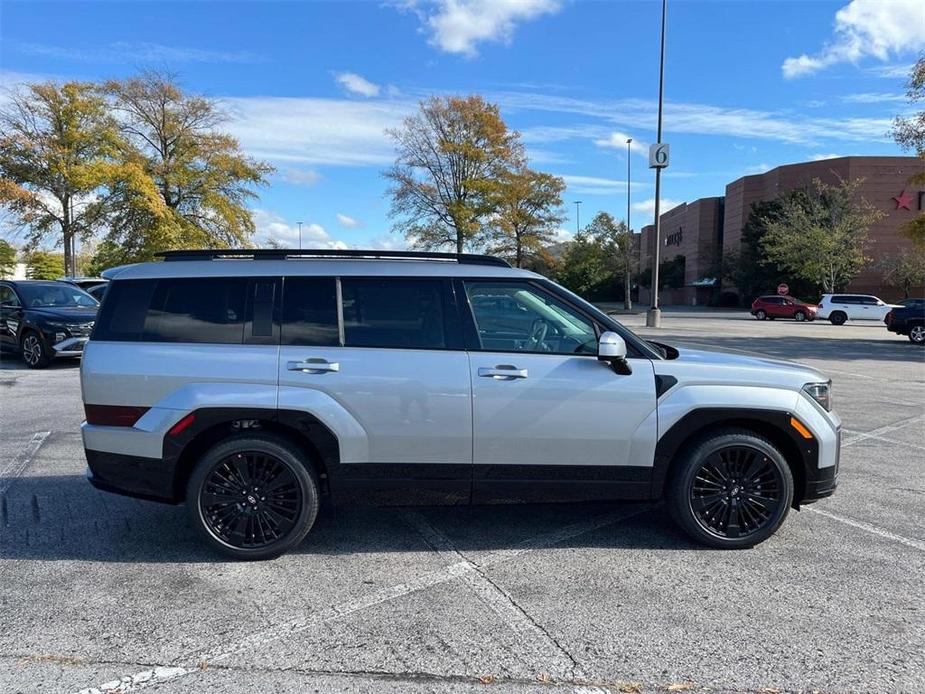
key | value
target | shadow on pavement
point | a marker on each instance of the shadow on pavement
(63, 518)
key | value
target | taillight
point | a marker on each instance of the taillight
(113, 415)
(888, 318)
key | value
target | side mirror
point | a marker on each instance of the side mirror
(612, 348)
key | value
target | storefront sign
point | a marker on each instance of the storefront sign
(675, 238)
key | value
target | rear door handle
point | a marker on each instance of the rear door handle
(313, 365)
(504, 372)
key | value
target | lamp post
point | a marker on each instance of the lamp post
(300, 235)
(627, 300)
(654, 315)
(578, 215)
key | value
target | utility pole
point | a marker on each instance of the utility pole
(300, 235)
(628, 280)
(577, 216)
(654, 315)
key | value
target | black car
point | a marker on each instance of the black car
(908, 320)
(44, 319)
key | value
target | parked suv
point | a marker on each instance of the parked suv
(774, 306)
(43, 320)
(839, 308)
(908, 318)
(253, 385)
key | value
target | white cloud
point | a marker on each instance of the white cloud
(271, 226)
(356, 84)
(301, 177)
(757, 169)
(893, 71)
(594, 185)
(648, 206)
(820, 157)
(315, 131)
(386, 242)
(137, 51)
(617, 140)
(347, 221)
(866, 29)
(873, 97)
(458, 26)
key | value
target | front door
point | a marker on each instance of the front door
(389, 359)
(10, 316)
(549, 419)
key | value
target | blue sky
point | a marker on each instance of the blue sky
(311, 86)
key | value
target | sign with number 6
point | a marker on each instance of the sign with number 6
(658, 155)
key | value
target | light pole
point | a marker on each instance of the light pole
(300, 235)
(628, 280)
(578, 216)
(654, 315)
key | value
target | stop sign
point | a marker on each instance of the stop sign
(783, 289)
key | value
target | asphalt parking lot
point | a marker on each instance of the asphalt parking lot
(96, 589)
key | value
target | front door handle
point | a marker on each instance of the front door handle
(314, 365)
(505, 372)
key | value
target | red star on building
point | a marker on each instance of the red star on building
(903, 201)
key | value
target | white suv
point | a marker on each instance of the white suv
(256, 385)
(839, 308)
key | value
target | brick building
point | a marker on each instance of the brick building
(702, 230)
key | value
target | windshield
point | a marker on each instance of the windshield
(55, 296)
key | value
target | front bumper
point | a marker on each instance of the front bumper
(822, 482)
(70, 347)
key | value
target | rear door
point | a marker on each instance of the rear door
(389, 352)
(10, 316)
(549, 419)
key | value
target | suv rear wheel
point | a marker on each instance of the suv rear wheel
(253, 497)
(732, 490)
(838, 317)
(34, 351)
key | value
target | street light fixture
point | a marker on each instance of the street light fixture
(654, 315)
(578, 215)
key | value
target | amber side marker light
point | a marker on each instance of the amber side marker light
(798, 425)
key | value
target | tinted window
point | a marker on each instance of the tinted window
(8, 297)
(869, 300)
(197, 310)
(122, 316)
(55, 295)
(310, 311)
(519, 317)
(844, 299)
(393, 313)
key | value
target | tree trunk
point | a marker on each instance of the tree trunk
(518, 254)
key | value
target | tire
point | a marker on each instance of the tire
(252, 528)
(838, 318)
(709, 500)
(917, 334)
(760, 314)
(799, 316)
(34, 351)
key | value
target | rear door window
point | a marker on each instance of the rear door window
(403, 313)
(198, 310)
(310, 311)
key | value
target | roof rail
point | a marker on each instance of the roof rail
(287, 253)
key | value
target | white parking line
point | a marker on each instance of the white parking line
(861, 525)
(457, 569)
(19, 464)
(863, 435)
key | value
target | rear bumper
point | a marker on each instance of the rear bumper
(143, 478)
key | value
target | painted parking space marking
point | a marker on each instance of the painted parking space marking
(450, 572)
(21, 462)
(873, 529)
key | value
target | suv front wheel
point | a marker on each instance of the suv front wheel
(34, 351)
(253, 497)
(732, 490)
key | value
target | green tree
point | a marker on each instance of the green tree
(528, 210)
(820, 235)
(43, 265)
(451, 156)
(595, 261)
(909, 133)
(57, 143)
(201, 180)
(904, 270)
(7, 259)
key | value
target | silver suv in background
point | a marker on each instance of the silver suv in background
(256, 385)
(839, 308)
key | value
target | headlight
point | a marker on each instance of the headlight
(821, 393)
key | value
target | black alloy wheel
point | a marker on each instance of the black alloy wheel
(253, 497)
(737, 491)
(730, 490)
(34, 352)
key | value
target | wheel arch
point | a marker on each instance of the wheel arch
(317, 442)
(801, 454)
